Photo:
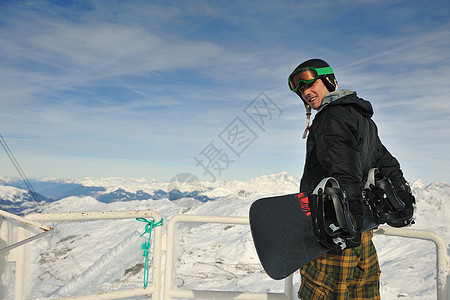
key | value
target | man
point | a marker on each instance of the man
(343, 143)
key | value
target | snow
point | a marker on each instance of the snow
(98, 256)
(103, 269)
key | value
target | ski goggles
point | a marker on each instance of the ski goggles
(307, 75)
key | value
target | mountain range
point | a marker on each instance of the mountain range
(16, 198)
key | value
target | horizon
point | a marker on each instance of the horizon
(151, 89)
(67, 180)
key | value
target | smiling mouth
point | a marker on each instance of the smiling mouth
(312, 99)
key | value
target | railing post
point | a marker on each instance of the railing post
(442, 263)
(4, 240)
(20, 266)
(289, 286)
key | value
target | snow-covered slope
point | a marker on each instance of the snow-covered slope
(98, 256)
(19, 201)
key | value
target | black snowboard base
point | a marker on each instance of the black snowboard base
(282, 232)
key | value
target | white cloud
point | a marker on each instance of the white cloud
(126, 79)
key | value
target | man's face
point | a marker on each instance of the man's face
(314, 93)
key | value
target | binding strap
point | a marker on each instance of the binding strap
(332, 222)
(382, 197)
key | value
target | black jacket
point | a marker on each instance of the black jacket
(343, 143)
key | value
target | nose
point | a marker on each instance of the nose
(305, 91)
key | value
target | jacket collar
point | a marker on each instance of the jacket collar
(333, 96)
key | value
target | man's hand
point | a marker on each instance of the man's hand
(357, 212)
(404, 217)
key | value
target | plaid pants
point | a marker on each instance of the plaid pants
(351, 274)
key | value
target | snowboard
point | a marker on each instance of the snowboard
(282, 232)
(283, 236)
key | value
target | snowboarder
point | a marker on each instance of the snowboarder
(343, 143)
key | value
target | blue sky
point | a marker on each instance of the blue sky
(156, 88)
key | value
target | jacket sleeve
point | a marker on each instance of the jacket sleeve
(389, 166)
(337, 152)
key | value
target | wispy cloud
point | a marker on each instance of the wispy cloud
(156, 82)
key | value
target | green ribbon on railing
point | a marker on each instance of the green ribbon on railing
(146, 245)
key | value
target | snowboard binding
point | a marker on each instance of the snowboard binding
(382, 199)
(332, 222)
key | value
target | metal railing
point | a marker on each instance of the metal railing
(154, 289)
(168, 291)
(442, 260)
